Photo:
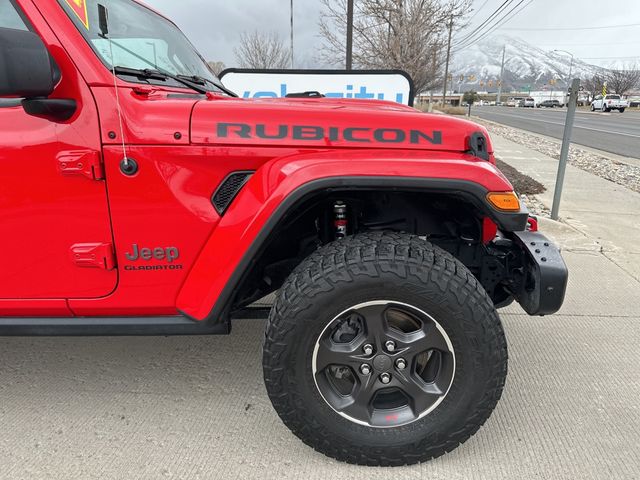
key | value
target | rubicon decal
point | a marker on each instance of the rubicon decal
(335, 134)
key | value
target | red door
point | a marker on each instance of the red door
(55, 233)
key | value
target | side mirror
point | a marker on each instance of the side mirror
(26, 69)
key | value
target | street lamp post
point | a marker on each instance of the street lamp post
(570, 65)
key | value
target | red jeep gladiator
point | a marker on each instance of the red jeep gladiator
(139, 196)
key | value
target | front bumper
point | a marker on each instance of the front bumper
(546, 274)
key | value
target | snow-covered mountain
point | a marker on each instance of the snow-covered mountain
(526, 66)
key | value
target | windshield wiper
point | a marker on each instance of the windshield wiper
(152, 74)
(203, 81)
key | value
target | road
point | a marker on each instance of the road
(612, 132)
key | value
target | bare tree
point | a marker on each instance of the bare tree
(388, 34)
(624, 80)
(595, 84)
(216, 67)
(262, 50)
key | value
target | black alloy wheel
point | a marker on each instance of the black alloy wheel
(383, 364)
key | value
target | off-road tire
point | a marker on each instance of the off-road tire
(397, 267)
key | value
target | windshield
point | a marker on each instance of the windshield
(613, 97)
(141, 39)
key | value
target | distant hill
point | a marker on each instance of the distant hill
(526, 66)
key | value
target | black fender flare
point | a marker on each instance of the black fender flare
(471, 191)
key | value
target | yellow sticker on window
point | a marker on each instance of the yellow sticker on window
(79, 7)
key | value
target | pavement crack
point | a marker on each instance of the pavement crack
(621, 267)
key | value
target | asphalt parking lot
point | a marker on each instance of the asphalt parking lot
(196, 408)
(612, 132)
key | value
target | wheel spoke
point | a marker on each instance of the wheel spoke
(421, 396)
(358, 404)
(375, 322)
(429, 338)
(328, 354)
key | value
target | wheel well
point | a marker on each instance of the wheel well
(451, 220)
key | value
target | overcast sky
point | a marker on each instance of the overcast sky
(214, 26)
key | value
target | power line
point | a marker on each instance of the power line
(491, 28)
(572, 28)
(488, 20)
(508, 16)
(585, 44)
(478, 10)
(479, 27)
(608, 58)
(513, 15)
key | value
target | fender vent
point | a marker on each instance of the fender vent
(228, 189)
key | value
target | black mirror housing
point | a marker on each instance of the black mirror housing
(26, 69)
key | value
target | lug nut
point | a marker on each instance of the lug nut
(365, 369)
(385, 378)
(401, 364)
(367, 349)
(390, 346)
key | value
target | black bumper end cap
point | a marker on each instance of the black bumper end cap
(547, 275)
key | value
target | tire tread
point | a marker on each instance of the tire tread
(372, 255)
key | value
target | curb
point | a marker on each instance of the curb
(614, 157)
(568, 237)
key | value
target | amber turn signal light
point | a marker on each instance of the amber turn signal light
(507, 201)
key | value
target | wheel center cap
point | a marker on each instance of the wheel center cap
(382, 363)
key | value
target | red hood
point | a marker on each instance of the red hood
(323, 122)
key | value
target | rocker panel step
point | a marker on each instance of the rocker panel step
(99, 326)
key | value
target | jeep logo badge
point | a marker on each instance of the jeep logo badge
(158, 253)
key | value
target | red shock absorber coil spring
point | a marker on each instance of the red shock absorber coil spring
(340, 219)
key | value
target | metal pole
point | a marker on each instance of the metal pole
(571, 67)
(292, 34)
(499, 99)
(570, 64)
(349, 34)
(446, 65)
(566, 142)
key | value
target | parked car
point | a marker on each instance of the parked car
(608, 103)
(514, 101)
(527, 102)
(550, 103)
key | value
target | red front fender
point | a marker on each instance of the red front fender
(279, 184)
